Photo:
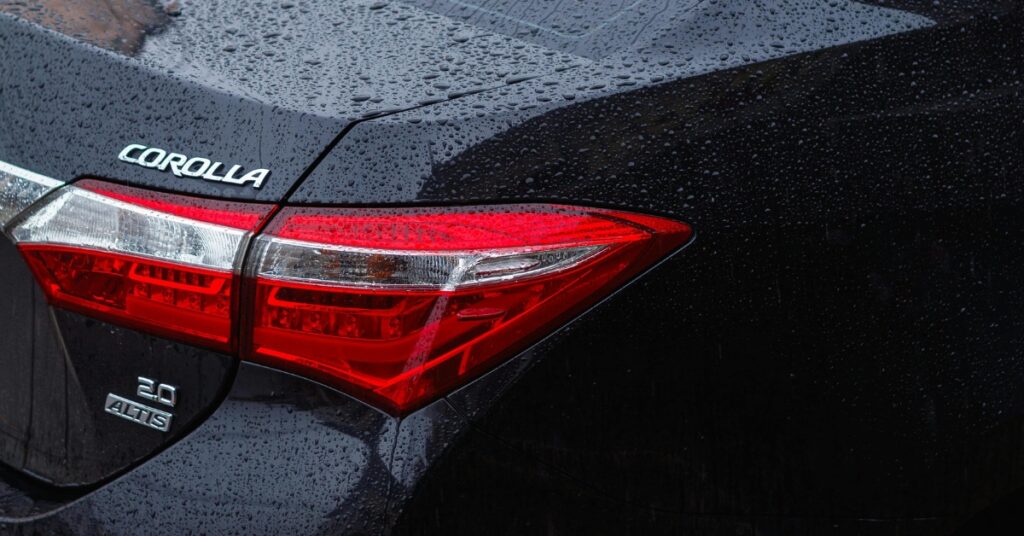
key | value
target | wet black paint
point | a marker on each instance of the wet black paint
(838, 350)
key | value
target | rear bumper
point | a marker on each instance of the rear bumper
(283, 455)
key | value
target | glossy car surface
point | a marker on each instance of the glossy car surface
(837, 349)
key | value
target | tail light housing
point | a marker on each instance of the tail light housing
(399, 306)
(394, 306)
(166, 264)
(19, 189)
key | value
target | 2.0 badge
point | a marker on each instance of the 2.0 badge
(138, 413)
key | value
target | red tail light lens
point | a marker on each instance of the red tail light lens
(395, 306)
(400, 306)
(162, 263)
(179, 302)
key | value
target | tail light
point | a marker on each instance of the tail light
(399, 306)
(166, 264)
(19, 188)
(394, 306)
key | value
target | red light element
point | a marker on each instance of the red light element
(162, 263)
(458, 228)
(173, 300)
(245, 216)
(395, 306)
(402, 347)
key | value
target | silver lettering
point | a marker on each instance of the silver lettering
(125, 155)
(211, 174)
(174, 160)
(157, 392)
(190, 170)
(230, 177)
(183, 166)
(145, 159)
(255, 176)
(138, 413)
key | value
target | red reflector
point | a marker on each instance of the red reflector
(172, 300)
(400, 306)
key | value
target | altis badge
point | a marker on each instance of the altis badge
(138, 413)
(194, 167)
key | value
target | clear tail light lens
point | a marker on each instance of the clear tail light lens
(19, 188)
(399, 306)
(167, 264)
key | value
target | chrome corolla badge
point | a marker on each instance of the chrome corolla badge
(150, 417)
(193, 167)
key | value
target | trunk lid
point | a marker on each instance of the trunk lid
(258, 87)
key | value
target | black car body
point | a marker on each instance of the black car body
(837, 348)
